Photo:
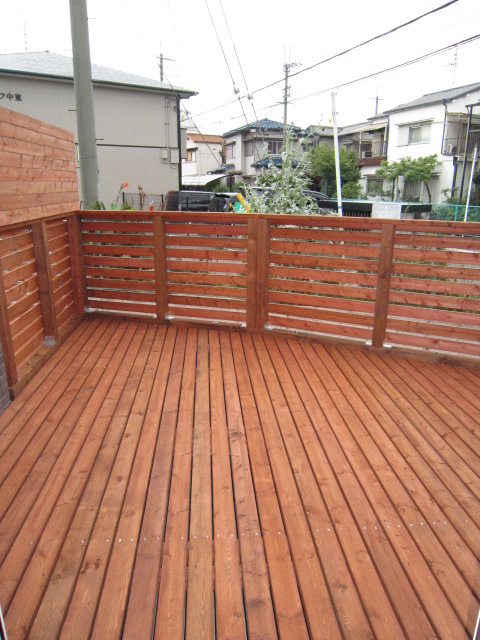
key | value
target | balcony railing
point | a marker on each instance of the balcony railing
(373, 150)
(456, 146)
(410, 284)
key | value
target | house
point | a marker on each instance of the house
(137, 119)
(204, 160)
(439, 123)
(249, 144)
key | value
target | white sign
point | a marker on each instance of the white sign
(386, 210)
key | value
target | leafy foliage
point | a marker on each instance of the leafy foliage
(282, 188)
(322, 169)
(416, 169)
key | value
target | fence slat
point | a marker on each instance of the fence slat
(44, 276)
(383, 285)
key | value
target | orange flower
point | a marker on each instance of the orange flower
(125, 185)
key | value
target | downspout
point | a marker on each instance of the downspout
(179, 144)
(444, 126)
(470, 111)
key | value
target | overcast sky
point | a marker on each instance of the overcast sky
(129, 35)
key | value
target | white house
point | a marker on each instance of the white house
(137, 119)
(204, 158)
(437, 123)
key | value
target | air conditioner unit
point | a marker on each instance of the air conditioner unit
(366, 154)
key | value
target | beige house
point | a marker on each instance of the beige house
(137, 119)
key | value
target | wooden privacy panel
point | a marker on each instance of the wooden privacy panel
(119, 263)
(37, 169)
(435, 288)
(323, 278)
(206, 269)
(21, 294)
(61, 271)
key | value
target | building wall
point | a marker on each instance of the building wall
(398, 146)
(208, 157)
(136, 129)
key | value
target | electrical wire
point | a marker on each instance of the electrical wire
(372, 75)
(249, 97)
(337, 55)
(361, 44)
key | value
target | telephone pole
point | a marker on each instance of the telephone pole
(82, 80)
(286, 95)
(161, 58)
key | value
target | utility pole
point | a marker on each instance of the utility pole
(82, 80)
(286, 94)
(161, 58)
(337, 155)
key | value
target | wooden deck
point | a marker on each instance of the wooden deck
(169, 482)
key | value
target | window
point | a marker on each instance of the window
(274, 146)
(418, 134)
(191, 155)
(249, 148)
(229, 154)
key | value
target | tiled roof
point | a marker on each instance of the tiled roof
(47, 64)
(265, 125)
(447, 95)
(205, 137)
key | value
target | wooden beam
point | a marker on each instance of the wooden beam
(383, 285)
(258, 269)
(6, 336)
(44, 276)
(77, 264)
(160, 262)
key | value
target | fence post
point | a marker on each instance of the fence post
(44, 277)
(160, 262)
(6, 336)
(77, 265)
(258, 271)
(383, 284)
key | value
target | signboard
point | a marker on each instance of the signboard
(386, 210)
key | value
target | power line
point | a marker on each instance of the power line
(395, 67)
(361, 44)
(249, 97)
(376, 73)
(337, 55)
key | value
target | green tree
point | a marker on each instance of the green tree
(416, 169)
(322, 169)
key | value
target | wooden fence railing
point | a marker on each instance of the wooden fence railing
(409, 284)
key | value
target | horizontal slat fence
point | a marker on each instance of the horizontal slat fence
(324, 279)
(119, 263)
(206, 266)
(22, 312)
(411, 284)
(435, 288)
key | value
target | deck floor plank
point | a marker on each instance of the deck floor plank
(228, 581)
(102, 446)
(173, 576)
(51, 469)
(83, 604)
(182, 482)
(140, 612)
(259, 612)
(422, 485)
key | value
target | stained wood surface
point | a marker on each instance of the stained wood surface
(177, 482)
(38, 174)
